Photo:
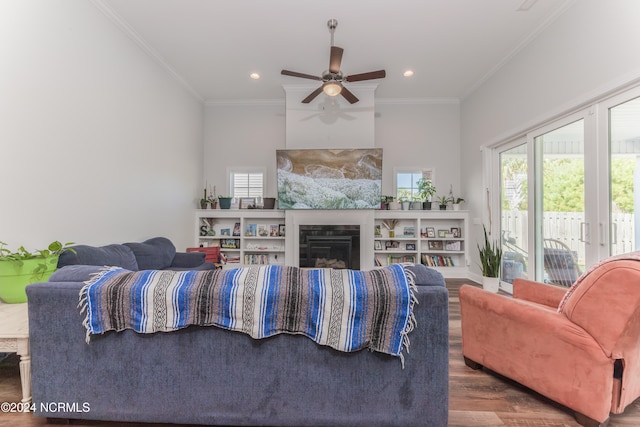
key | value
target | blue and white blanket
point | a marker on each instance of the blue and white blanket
(347, 310)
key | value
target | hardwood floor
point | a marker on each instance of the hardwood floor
(476, 398)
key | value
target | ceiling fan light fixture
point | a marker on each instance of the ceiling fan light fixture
(332, 88)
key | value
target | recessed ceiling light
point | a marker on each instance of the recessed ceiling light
(408, 73)
(254, 76)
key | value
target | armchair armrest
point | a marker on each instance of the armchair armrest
(540, 293)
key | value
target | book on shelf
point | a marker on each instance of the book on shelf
(274, 230)
(437, 261)
(256, 259)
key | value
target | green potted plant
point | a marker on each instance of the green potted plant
(225, 202)
(490, 260)
(443, 201)
(426, 190)
(204, 200)
(457, 201)
(22, 267)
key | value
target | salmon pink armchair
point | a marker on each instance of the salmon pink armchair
(580, 348)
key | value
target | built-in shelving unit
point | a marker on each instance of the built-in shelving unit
(245, 236)
(437, 239)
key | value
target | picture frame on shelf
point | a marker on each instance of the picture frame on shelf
(377, 245)
(274, 230)
(281, 230)
(456, 232)
(251, 230)
(431, 232)
(378, 231)
(409, 232)
(236, 229)
(452, 245)
(225, 232)
(247, 202)
(442, 233)
(410, 246)
(435, 245)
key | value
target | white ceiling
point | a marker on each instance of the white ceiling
(212, 46)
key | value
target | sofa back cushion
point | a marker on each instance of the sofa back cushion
(606, 304)
(111, 255)
(153, 254)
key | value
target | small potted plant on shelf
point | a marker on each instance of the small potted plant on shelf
(212, 199)
(457, 201)
(225, 202)
(204, 200)
(22, 267)
(443, 201)
(426, 190)
(490, 259)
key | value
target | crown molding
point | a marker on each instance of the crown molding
(120, 22)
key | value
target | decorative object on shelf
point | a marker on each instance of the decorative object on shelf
(268, 203)
(431, 232)
(390, 224)
(443, 201)
(204, 200)
(426, 190)
(490, 259)
(225, 202)
(247, 203)
(393, 204)
(457, 202)
(384, 202)
(22, 267)
(212, 199)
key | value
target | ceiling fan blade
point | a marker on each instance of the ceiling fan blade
(366, 76)
(336, 59)
(302, 75)
(348, 95)
(311, 96)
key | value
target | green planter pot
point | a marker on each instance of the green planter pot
(225, 202)
(14, 278)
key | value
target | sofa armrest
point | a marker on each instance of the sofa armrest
(540, 293)
(187, 259)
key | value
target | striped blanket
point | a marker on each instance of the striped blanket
(347, 310)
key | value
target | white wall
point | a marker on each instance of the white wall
(589, 50)
(98, 144)
(411, 135)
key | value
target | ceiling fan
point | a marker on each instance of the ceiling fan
(333, 79)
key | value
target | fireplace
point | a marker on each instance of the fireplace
(329, 246)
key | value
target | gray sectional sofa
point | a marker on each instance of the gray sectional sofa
(207, 375)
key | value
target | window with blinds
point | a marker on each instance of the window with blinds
(247, 184)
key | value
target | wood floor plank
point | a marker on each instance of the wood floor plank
(477, 398)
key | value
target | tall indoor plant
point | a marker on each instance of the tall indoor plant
(490, 259)
(22, 267)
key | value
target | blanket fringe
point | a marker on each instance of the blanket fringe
(412, 322)
(83, 300)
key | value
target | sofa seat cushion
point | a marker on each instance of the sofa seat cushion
(111, 255)
(153, 254)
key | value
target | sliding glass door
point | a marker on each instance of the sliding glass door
(559, 203)
(567, 192)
